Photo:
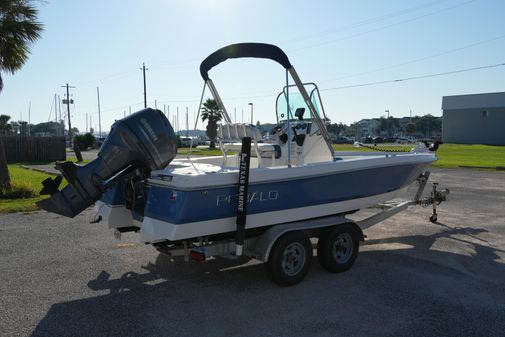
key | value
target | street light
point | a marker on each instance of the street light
(387, 123)
(252, 109)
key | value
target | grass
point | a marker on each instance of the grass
(371, 147)
(203, 151)
(451, 155)
(27, 180)
(457, 155)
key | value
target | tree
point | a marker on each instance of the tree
(18, 29)
(410, 129)
(5, 127)
(45, 127)
(352, 130)
(337, 129)
(212, 114)
(85, 141)
(427, 125)
(15, 126)
(388, 124)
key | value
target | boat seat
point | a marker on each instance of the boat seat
(265, 150)
(234, 132)
(230, 137)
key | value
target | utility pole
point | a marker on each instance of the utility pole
(99, 117)
(86, 122)
(144, 73)
(68, 101)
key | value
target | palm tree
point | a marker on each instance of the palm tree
(5, 127)
(212, 114)
(387, 124)
(19, 28)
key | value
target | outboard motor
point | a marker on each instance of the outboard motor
(139, 143)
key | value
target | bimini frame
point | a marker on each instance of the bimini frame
(258, 50)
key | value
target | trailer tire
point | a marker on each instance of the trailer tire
(289, 260)
(338, 248)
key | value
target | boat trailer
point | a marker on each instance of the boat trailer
(286, 248)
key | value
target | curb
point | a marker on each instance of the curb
(497, 168)
(28, 167)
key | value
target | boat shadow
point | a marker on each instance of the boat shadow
(467, 258)
(171, 295)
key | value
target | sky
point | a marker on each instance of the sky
(355, 51)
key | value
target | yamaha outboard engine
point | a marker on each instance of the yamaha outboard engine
(141, 142)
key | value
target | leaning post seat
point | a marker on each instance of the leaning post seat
(230, 138)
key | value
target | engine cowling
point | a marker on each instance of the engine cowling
(139, 143)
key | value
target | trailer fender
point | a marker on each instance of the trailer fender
(266, 241)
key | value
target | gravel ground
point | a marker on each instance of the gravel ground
(66, 277)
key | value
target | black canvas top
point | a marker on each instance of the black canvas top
(239, 50)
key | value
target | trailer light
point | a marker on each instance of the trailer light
(197, 256)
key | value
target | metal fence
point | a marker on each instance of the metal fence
(34, 149)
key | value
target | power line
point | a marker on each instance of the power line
(106, 77)
(418, 59)
(415, 77)
(180, 64)
(382, 28)
(364, 22)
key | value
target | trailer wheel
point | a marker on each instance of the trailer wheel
(338, 248)
(289, 259)
(433, 218)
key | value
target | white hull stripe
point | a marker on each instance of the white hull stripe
(154, 230)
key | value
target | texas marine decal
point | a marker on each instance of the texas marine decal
(259, 196)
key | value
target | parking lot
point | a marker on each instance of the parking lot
(67, 277)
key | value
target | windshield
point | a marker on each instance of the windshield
(298, 109)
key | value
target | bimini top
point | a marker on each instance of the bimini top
(239, 50)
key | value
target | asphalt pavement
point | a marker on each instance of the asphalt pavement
(67, 277)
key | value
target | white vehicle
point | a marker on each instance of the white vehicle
(402, 140)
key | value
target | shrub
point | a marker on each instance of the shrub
(85, 141)
(18, 191)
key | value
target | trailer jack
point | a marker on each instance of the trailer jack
(436, 198)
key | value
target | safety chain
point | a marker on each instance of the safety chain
(380, 149)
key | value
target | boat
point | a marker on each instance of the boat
(270, 196)
(295, 176)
